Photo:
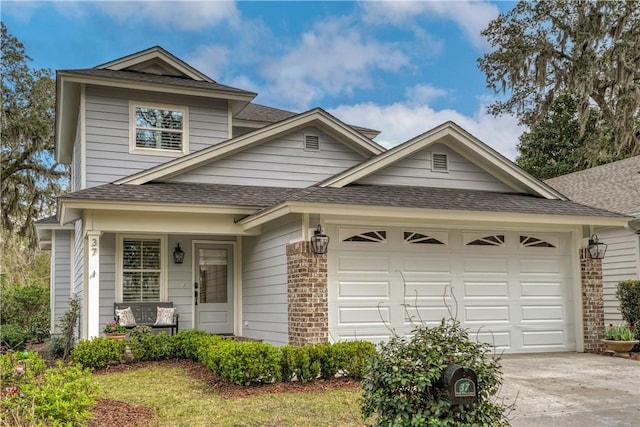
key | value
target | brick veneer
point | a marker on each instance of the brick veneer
(592, 303)
(307, 295)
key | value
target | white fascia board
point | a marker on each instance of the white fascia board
(67, 101)
(71, 210)
(155, 53)
(157, 87)
(267, 133)
(362, 211)
(454, 137)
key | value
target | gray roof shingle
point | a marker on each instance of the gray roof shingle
(614, 186)
(382, 196)
(135, 76)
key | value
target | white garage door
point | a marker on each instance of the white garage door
(513, 288)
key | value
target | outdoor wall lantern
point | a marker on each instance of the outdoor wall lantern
(596, 249)
(178, 255)
(319, 241)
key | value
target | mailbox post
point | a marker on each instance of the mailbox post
(461, 384)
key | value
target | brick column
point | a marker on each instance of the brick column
(592, 303)
(307, 295)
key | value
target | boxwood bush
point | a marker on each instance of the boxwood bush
(247, 363)
(145, 345)
(98, 352)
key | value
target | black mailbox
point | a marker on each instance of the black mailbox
(461, 384)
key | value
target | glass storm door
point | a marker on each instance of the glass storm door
(213, 288)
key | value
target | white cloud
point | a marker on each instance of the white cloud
(211, 60)
(335, 59)
(423, 94)
(402, 121)
(471, 16)
(175, 14)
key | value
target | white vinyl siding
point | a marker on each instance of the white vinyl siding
(61, 278)
(621, 262)
(282, 162)
(108, 132)
(264, 281)
(417, 171)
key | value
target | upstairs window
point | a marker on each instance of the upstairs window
(159, 129)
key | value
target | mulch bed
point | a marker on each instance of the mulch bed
(107, 412)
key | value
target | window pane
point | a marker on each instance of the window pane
(151, 254)
(131, 254)
(158, 128)
(150, 290)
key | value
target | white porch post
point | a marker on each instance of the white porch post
(93, 288)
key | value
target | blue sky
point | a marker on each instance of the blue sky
(399, 67)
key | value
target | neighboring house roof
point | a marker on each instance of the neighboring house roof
(614, 186)
(262, 199)
(458, 139)
(262, 113)
(316, 117)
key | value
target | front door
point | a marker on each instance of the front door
(213, 288)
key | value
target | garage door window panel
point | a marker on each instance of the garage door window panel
(488, 240)
(378, 236)
(425, 238)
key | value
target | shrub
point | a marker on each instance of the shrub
(68, 324)
(56, 346)
(187, 343)
(329, 363)
(149, 346)
(246, 363)
(12, 337)
(299, 363)
(98, 352)
(402, 386)
(59, 398)
(352, 357)
(27, 306)
(628, 294)
(31, 365)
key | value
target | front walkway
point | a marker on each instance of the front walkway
(572, 389)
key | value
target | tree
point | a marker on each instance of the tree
(555, 147)
(30, 178)
(588, 48)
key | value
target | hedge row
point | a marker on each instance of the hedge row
(243, 363)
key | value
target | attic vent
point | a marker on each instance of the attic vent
(312, 142)
(440, 163)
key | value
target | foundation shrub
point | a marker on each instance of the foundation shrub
(402, 386)
(628, 294)
(145, 345)
(187, 343)
(300, 363)
(353, 357)
(98, 352)
(247, 363)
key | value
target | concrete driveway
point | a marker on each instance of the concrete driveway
(572, 389)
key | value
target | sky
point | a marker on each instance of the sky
(399, 67)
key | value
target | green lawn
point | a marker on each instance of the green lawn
(181, 400)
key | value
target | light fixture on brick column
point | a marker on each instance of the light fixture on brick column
(319, 241)
(596, 248)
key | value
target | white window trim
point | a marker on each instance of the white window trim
(133, 149)
(164, 263)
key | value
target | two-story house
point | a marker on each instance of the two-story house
(165, 161)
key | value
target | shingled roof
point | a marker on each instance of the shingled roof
(614, 186)
(135, 76)
(383, 196)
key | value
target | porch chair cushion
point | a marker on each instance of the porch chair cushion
(125, 317)
(165, 316)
